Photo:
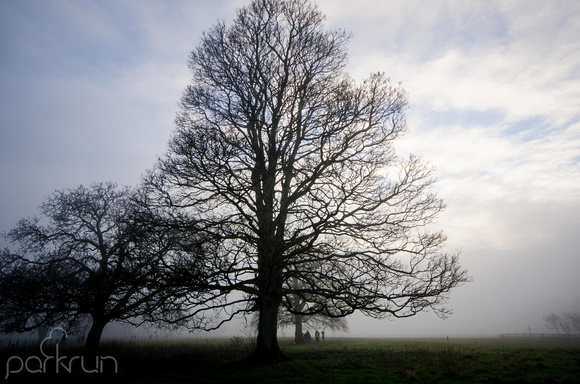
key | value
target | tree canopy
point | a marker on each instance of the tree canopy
(289, 164)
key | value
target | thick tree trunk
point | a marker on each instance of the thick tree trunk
(94, 338)
(267, 348)
(270, 297)
(298, 333)
(270, 263)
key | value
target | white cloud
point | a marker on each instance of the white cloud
(489, 179)
(542, 169)
(519, 58)
(502, 80)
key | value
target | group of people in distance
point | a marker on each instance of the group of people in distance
(308, 338)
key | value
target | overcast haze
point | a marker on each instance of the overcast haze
(89, 91)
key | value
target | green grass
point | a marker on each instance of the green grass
(346, 360)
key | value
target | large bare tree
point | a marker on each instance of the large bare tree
(290, 164)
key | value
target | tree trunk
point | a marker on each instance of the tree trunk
(94, 338)
(298, 333)
(267, 348)
(42, 333)
(298, 306)
(269, 300)
(270, 264)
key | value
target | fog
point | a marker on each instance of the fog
(89, 92)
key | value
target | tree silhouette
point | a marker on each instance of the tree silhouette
(289, 164)
(565, 323)
(292, 314)
(90, 255)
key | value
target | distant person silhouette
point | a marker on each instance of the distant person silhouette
(307, 337)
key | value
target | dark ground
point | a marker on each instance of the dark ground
(346, 360)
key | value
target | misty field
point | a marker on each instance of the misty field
(343, 360)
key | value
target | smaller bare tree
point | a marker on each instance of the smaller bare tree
(296, 311)
(553, 321)
(93, 254)
(565, 324)
(574, 320)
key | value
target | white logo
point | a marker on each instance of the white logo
(37, 364)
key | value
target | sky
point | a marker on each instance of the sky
(89, 91)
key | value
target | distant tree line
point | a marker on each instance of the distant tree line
(280, 195)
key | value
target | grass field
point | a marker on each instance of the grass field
(344, 360)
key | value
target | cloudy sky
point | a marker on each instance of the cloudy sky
(88, 92)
